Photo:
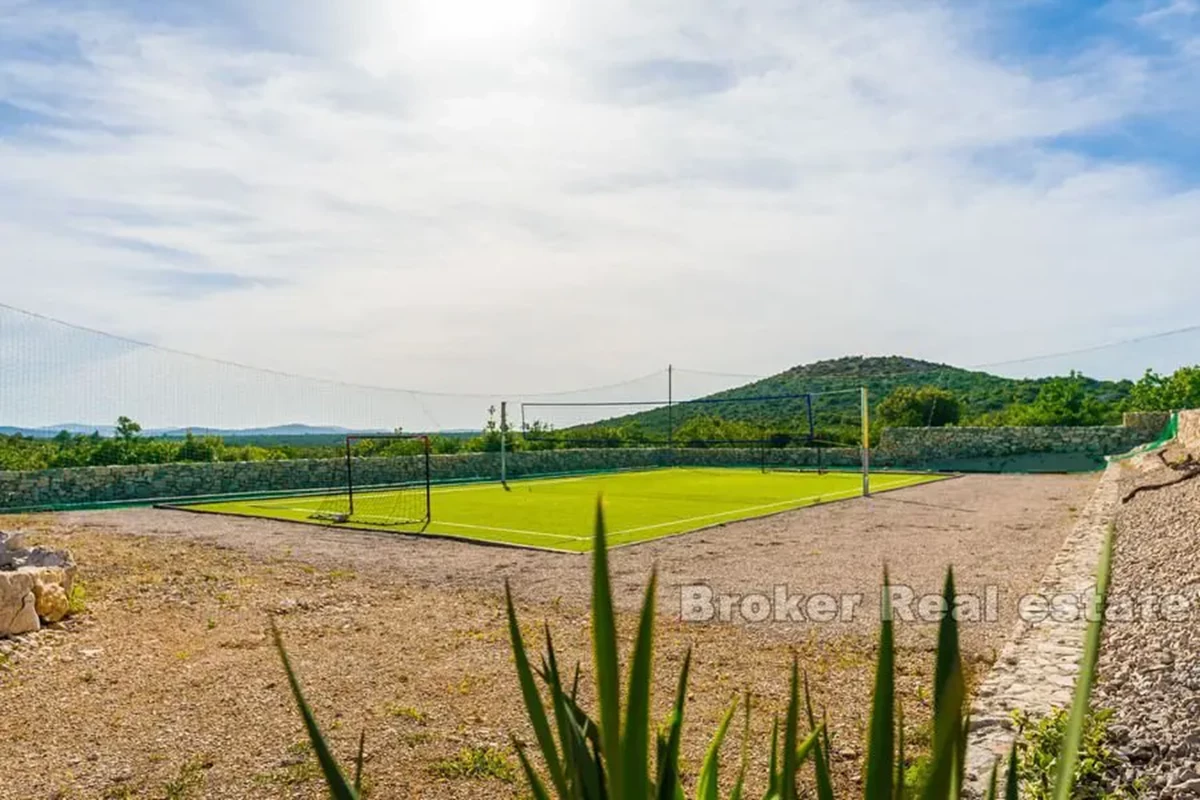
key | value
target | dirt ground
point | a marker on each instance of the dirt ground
(168, 687)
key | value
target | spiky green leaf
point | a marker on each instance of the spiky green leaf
(533, 699)
(881, 738)
(339, 788)
(636, 741)
(604, 647)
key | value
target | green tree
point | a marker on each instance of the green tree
(206, 448)
(127, 429)
(920, 407)
(1155, 392)
(1064, 401)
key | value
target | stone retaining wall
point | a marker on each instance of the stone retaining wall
(146, 482)
(1189, 429)
(1038, 667)
(916, 446)
(1149, 423)
(928, 448)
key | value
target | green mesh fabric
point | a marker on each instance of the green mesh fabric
(1169, 432)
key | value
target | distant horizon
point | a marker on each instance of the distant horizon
(431, 402)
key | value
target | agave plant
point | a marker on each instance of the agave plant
(608, 756)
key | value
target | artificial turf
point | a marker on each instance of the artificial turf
(559, 513)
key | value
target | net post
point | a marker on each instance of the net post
(866, 443)
(428, 483)
(503, 437)
(670, 418)
(349, 476)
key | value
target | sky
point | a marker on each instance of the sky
(461, 195)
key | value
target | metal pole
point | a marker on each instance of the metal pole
(866, 444)
(349, 477)
(670, 418)
(503, 436)
(428, 481)
(812, 430)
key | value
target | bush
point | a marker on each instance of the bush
(1040, 743)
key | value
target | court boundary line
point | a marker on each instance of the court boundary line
(933, 478)
(791, 504)
(924, 479)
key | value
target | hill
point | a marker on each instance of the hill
(836, 405)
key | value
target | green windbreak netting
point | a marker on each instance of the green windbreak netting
(1169, 432)
(1010, 463)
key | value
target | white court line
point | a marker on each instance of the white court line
(847, 493)
(507, 530)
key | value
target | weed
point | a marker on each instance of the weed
(298, 767)
(188, 780)
(406, 712)
(475, 763)
(77, 599)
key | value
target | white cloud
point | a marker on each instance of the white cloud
(598, 190)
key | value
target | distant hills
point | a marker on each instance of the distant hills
(292, 429)
(834, 384)
(836, 404)
(310, 434)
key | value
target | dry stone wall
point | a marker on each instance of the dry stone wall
(916, 446)
(1189, 429)
(929, 448)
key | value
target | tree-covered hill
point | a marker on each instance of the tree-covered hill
(834, 384)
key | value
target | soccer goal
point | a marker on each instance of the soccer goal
(803, 431)
(384, 480)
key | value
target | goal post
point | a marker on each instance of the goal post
(386, 480)
(792, 428)
(866, 443)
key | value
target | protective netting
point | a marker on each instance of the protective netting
(399, 505)
(382, 480)
(1169, 432)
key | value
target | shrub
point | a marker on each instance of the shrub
(1038, 747)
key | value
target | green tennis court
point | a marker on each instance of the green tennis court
(559, 513)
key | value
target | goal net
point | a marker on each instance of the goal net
(384, 479)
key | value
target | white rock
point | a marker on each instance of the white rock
(16, 603)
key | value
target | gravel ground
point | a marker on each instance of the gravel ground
(1150, 663)
(167, 686)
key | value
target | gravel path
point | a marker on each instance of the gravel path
(998, 531)
(1150, 661)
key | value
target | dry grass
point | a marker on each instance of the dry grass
(167, 686)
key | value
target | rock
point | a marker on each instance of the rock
(53, 559)
(33, 581)
(10, 542)
(26, 618)
(16, 603)
(51, 598)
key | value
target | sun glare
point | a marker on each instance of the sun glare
(474, 21)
